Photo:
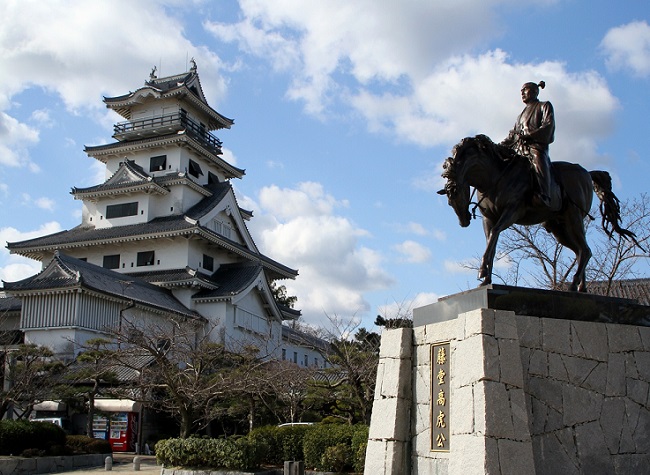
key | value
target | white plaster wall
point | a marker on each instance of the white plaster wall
(172, 254)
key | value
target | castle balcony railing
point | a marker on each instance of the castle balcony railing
(163, 125)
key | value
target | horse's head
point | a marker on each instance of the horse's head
(457, 190)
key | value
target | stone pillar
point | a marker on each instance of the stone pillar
(388, 441)
(490, 431)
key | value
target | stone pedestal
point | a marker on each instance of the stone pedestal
(527, 393)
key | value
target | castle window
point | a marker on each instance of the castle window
(195, 169)
(145, 258)
(212, 178)
(208, 262)
(122, 210)
(157, 163)
(111, 262)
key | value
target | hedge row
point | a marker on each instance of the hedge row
(232, 453)
(16, 436)
(22, 437)
(327, 447)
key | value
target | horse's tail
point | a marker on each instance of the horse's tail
(610, 207)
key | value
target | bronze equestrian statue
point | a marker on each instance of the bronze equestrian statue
(509, 191)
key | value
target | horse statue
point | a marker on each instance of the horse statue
(505, 184)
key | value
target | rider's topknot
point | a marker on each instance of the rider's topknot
(542, 84)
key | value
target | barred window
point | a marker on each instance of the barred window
(111, 262)
(157, 163)
(145, 258)
(208, 262)
(195, 169)
(122, 210)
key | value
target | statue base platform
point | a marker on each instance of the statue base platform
(501, 380)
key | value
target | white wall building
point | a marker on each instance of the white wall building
(162, 237)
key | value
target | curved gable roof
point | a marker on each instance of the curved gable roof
(65, 272)
(186, 85)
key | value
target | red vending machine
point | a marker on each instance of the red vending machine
(123, 427)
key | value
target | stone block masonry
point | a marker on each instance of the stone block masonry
(528, 395)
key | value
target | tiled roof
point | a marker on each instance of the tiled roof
(218, 190)
(231, 279)
(304, 339)
(9, 304)
(169, 86)
(171, 277)
(66, 272)
(129, 371)
(634, 289)
(80, 234)
(176, 138)
(165, 226)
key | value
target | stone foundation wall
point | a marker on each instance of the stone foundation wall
(35, 465)
(527, 395)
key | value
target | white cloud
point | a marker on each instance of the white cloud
(45, 203)
(42, 202)
(457, 267)
(404, 308)
(413, 252)
(16, 271)
(42, 117)
(318, 40)
(14, 267)
(79, 51)
(417, 228)
(414, 80)
(15, 139)
(300, 228)
(627, 47)
(229, 156)
(309, 198)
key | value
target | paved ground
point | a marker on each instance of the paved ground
(123, 464)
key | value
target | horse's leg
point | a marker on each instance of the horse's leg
(485, 271)
(492, 232)
(571, 233)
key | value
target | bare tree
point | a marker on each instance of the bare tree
(618, 258)
(92, 370)
(290, 384)
(536, 259)
(353, 356)
(30, 375)
(178, 369)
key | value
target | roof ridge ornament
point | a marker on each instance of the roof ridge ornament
(152, 75)
(193, 68)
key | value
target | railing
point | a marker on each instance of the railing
(165, 124)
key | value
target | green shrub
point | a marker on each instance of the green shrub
(317, 441)
(358, 446)
(32, 453)
(291, 440)
(337, 458)
(233, 454)
(323, 447)
(274, 444)
(18, 436)
(82, 444)
(267, 441)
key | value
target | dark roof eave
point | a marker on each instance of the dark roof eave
(96, 151)
(127, 100)
(268, 263)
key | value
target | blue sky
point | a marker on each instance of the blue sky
(344, 112)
